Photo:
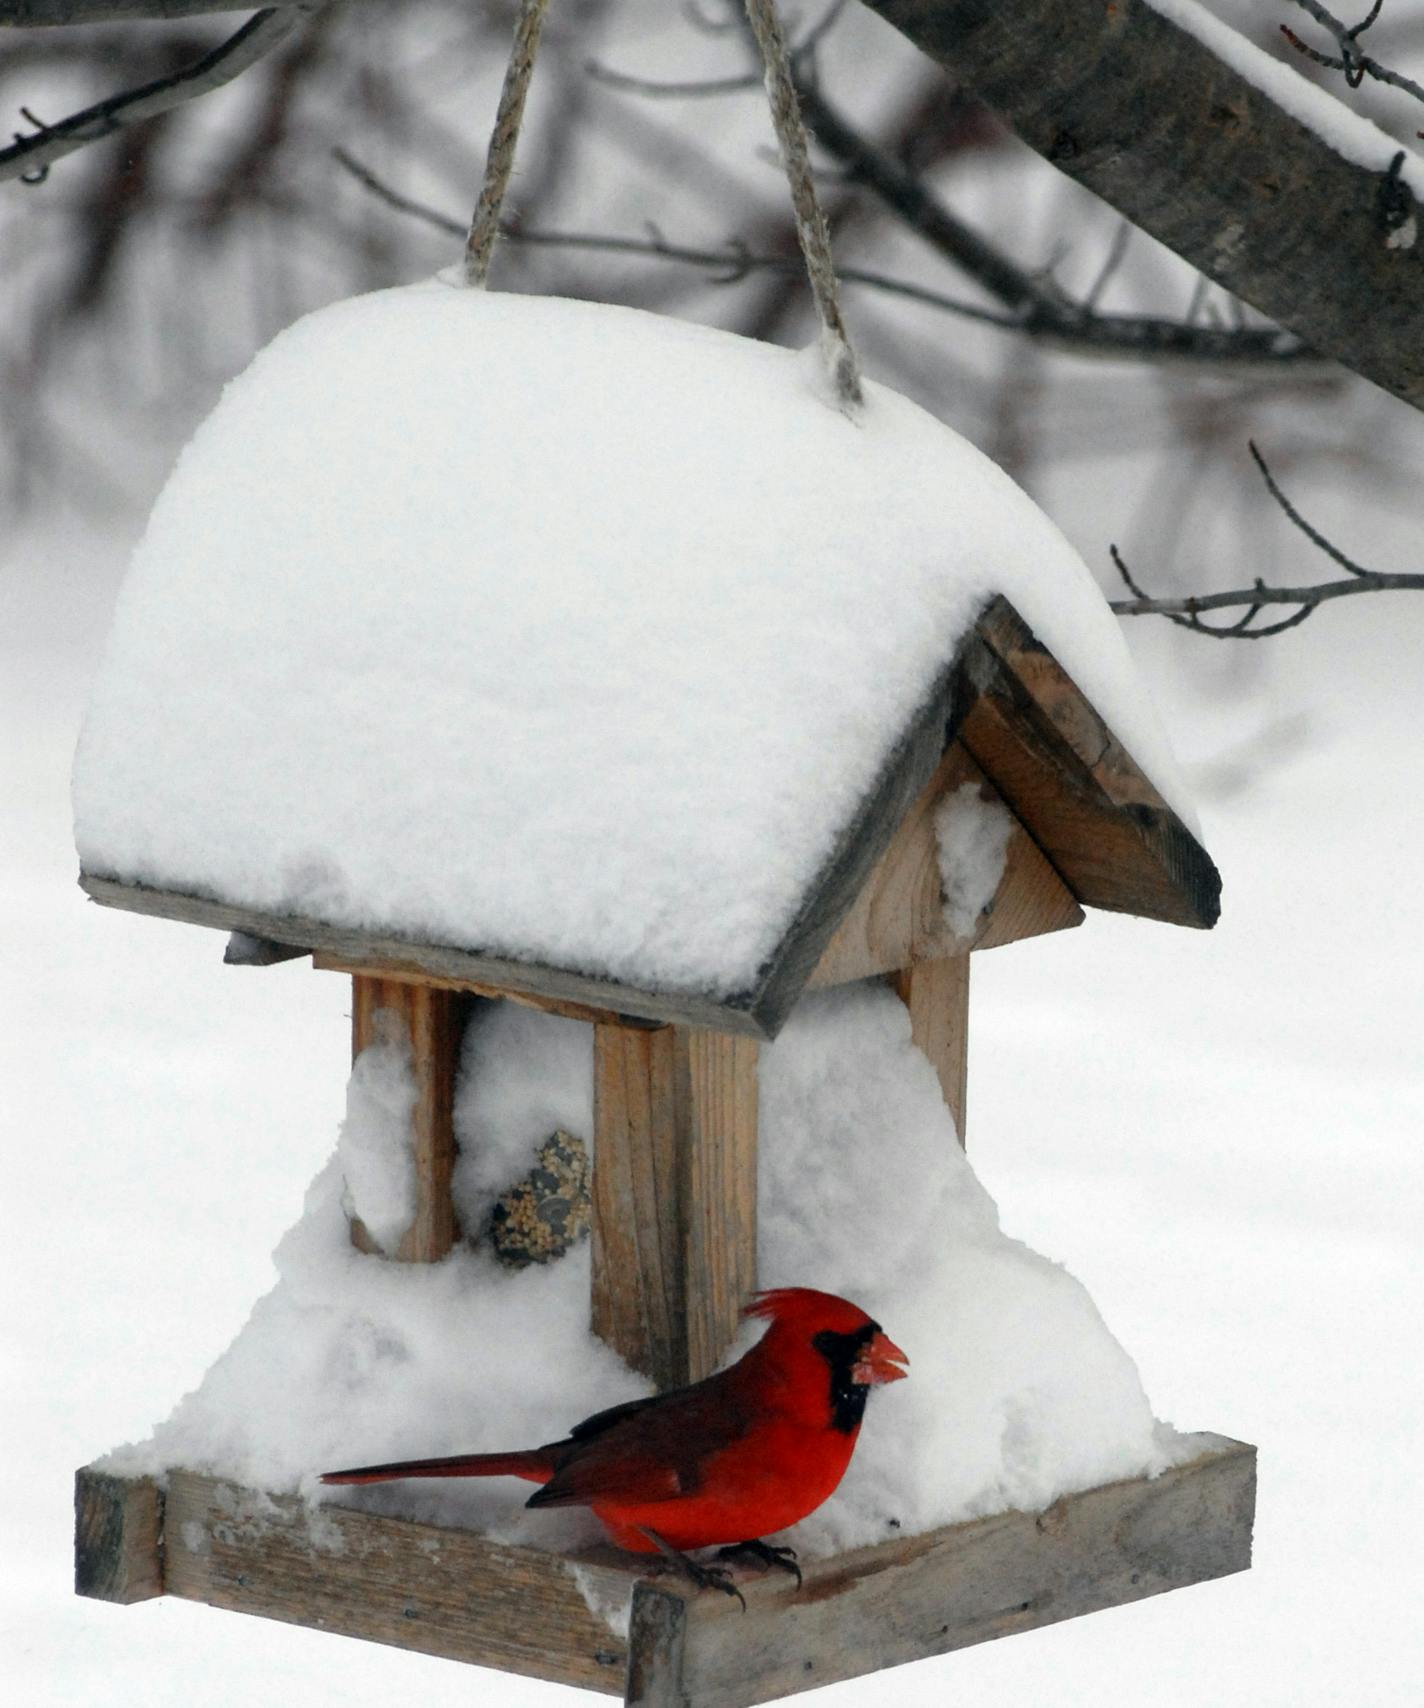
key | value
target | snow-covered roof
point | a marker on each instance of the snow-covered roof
(563, 633)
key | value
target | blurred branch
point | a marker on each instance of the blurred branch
(1187, 611)
(44, 14)
(1036, 305)
(30, 157)
(1356, 65)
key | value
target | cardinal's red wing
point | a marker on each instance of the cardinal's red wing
(628, 1481)
(651, 1450)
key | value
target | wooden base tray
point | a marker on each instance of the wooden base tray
(601, 1620)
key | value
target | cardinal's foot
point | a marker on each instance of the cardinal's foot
(767, 1553)
(705, 1577)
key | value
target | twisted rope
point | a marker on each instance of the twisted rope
(811, 229)
(499, 163)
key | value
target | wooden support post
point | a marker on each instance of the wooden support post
(674, 1195)
(937, 996)
(118, 1537)
(431, 1020)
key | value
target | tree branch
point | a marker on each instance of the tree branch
(30, 157)
(1148, 117)
(1187, 611)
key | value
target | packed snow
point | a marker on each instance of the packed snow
(1019, 1393)
(972, 842)
(549, 628)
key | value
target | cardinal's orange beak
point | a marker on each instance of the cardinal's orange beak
(880, 1362)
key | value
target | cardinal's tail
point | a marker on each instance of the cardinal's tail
(535, 1465)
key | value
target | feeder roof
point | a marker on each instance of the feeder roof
(593, 645)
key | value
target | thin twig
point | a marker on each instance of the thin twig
(1356, 65)
(1186, 611)
(30, 157)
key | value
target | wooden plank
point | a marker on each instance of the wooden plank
(898, 917)
(406, 974)
(454, 1593)
(927, 1595)
(431, 1020)
(118, 1537)
(246, 951)
(365, 953)
(415, 1586)
(673, 1195)
(937, 996)
(1082, 797)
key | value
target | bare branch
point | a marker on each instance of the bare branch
(1187, 611)
(30, 157)
(1356, 65)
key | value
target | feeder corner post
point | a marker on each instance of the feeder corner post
(430, 1018)
(674, 1194)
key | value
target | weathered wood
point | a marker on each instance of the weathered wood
(431, 1020)
(406, 974)
(898, 917)
(246, 951)
(657, 1634)
(416, 1586)
(118, 1537)
(937, 996)
(385, 956)
(1077, 790)
(674, 1195)
(927, 1595)
(454, 1593)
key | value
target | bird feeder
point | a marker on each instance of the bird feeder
(551, 677)
(988, 708)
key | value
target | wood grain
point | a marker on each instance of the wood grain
(415, 1586)
(1073, 785)
(673, 1196)
(937, 996)
(898, 917)
(454, 1593)
(118, 1537)
(431, 1020)
(927, 1595)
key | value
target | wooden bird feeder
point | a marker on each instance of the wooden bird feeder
(674, 1214)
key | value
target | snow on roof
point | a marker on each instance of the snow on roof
(562, 631)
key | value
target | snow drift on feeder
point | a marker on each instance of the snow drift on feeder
(1019, 1393)
(556, 630)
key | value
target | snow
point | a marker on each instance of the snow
(1349, 133)
(377, 1141)
(555, 629)
(972, 839)
(1233, 1174)
(1019, 1392)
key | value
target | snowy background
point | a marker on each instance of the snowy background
(1218, 1133)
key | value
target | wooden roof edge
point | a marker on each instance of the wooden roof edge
(904, 774)
(1172, 878)
(359, 949)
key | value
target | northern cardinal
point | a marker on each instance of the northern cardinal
(727, 1460)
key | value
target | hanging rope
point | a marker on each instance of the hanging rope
(811, 228)
(499, 163)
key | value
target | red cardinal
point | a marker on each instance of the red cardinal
(727, 1460)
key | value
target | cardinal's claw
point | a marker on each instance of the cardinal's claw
(767, 1553)
(715, 1577)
